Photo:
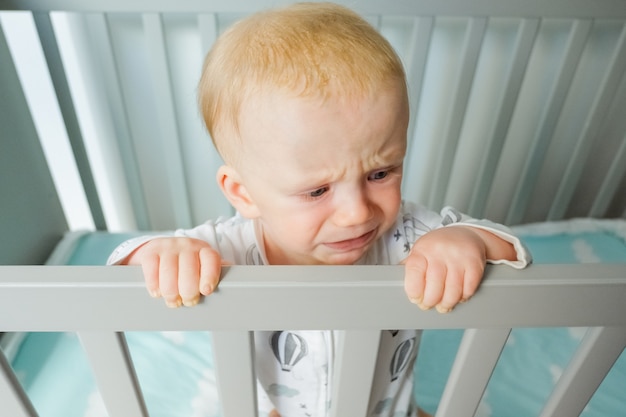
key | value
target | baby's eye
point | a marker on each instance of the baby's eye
(317, 193)
(378, 175)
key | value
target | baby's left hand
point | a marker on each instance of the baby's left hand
(445, 266)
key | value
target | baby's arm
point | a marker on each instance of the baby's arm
(179, 269)
(446, 265)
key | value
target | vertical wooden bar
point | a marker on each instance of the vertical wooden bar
(166, 118)
(15, 402)
(524, 42)
(416, 59)
(98, 28)
(114, 373)
(463, 85)
(476, 358)
(207, 25)
(234, 367)
(66, 104)
(353, 373)
(611, 183)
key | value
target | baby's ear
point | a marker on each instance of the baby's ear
(235, 191)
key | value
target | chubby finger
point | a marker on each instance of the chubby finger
(210, 270)
(168, 280)
(274, 413)
(150, 269)
(452, 291)
(472, 280)
(415, 267)
(188, 278)
(435, 282)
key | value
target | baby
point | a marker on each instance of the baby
(307, 105)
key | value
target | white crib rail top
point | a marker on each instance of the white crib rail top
(77, 298)
(551, 8)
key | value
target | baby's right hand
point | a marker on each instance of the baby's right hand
(179, 269)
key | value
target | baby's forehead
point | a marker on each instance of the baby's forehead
(263, 107)
(284, 111)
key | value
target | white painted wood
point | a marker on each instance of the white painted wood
(611, 182)
(114, 373)
(543, 134)
(234, 368)
(207, 24)
(475, 361)
(526, 35)
(353, 372)
(48, 297)
(167, 120)
(15, 402)
(66, 105)
(109, 77)
(415, 70)
(446, 151)
(550, 8)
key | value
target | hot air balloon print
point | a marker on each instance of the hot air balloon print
(289, 348)
(401, 358)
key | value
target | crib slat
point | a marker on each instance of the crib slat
(354, 372)
(234, 369)
(66, 105)
(15, 402)
(475, 360)
(114, 373)
(524, 42)
(549, 119)
(445, 155)
(98, 27)
(611, 183)
(169, 137)
(207, 25)
(597, 353)
(416, 59)
(597, 114)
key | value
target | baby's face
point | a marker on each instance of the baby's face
(324, 175)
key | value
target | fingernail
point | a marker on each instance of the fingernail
(416, 300)
(192, 302)
(154, 293)
(443, 310)
(174, 304)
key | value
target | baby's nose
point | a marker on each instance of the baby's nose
(354, 210)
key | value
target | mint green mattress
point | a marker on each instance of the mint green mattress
(175, 369)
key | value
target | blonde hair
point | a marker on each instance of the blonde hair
(307, 49)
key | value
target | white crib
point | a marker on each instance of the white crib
(517, 115)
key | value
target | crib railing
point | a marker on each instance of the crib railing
(100, 303)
